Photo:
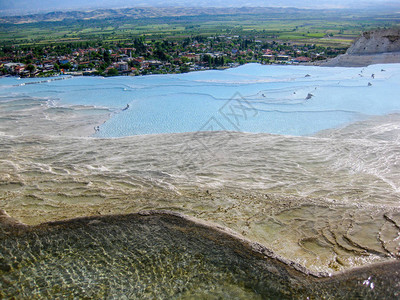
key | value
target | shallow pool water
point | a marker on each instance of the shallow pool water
(164, 256)
(288, 100)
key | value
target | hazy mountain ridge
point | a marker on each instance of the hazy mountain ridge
(177, 11)
(137, 13)
(19, 7)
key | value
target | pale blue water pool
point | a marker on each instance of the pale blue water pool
(250, 98)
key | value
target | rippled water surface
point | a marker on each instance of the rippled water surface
(323, 191)
(164, 256)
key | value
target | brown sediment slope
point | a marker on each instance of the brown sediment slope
(373, 47)
(162, 254)
(298, 196)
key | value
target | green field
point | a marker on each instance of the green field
(327, 28)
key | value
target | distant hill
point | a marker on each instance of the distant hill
(144, 12)
(372, 47)
(23, 7)
(139, 13)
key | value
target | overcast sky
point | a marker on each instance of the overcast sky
(24, 6)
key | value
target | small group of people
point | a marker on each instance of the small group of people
(97, 128)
